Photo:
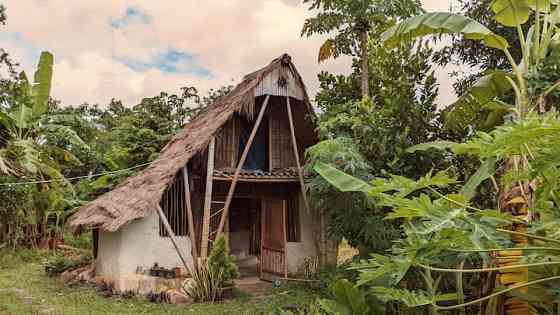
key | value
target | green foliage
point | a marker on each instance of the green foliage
(41, 89)
(350, 214)
(348, 300)
(205, 284)
(350, 17)
(222, 263)
(440, 228)
(401, 112)
(23, 279)
(371, 136)
(58, 263)
(443, 23)
(488, 96)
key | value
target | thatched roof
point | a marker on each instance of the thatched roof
(138, 196)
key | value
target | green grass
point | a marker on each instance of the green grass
(25, 289)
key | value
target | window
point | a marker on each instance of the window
(175, 209)
(292, 221)
(257, 157)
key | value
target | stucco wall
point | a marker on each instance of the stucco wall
(107, 262)
(137, 244)
(297, 252)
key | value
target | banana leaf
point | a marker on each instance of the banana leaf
(41, 90)
(341, 180)
(511, 12)
(437, 23)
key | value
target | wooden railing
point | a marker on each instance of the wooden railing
(273, 261)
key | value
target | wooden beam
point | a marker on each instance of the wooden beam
(298, 164)
(163, 219)
(240, 166)
(192, 234)
(207, 199)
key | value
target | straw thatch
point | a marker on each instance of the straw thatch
(138, 196)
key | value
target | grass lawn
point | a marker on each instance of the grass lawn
(25, 289)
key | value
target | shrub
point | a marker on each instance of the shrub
(220, 261)
(58, 263)
(205, 284)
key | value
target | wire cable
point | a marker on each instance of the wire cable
(77, 177)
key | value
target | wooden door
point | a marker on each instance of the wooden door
(273, 240)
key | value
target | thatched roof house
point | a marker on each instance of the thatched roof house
(137, 197)
(234, 169)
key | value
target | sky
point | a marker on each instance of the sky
(128, 49)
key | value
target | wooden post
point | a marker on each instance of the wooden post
(207, 200)
(171, 235)
(298, 164)
(240, 166)
(190, 218)
(284, 209)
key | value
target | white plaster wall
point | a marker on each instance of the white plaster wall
(137, 244)
(141, 245)
(297, 252)
(107, 262)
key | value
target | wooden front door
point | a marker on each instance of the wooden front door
(273, 240)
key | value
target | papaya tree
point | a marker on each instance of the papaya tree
(516, 149)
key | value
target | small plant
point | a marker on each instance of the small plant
(57, 264)
(310, 267)
(205, 284)
(348, 299)
(220, 261)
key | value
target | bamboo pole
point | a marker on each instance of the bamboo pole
(298, 164)
(240, 166)
(284, 209)
(207, 200)
(171, 235)
(190, 218)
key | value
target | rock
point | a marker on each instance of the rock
(176, 297)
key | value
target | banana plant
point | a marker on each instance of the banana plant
(543, 37)
(24, 115)
(31, 146)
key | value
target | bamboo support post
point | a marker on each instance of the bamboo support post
(171, 235)
(192, 234)
(240, 166)
(298, 164)
(207, 200)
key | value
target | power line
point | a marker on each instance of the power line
(77, 177)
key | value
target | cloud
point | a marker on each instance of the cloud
(130, 49)
(170, 61)
(132, 15)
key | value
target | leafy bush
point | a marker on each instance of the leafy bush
(59, 263)
(347, 299)
(221, 262)
(205, 284)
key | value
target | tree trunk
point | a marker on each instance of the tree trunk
(365, 64)
(515, 200)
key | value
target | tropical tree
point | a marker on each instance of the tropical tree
(353, 21)
(364, 137)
